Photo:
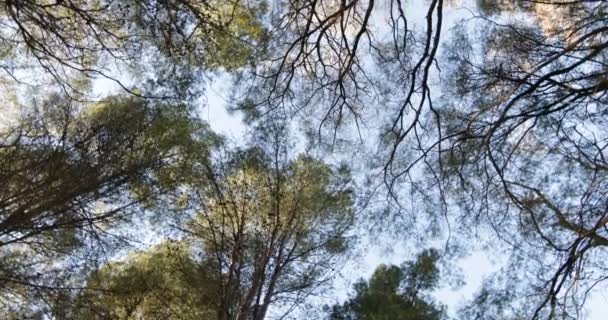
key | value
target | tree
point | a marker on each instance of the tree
(394, 293)
(263, 231)
(272, 229)
(332, 59)
(71, 171)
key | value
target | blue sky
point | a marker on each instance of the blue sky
(475, 267)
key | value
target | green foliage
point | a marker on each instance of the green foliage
(261, 234)
(119, 145)
(225, 33)
(164, 282)
(271, 227)
(394, 293)
(296, 199)
(72, 170)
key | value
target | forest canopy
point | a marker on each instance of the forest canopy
(439, 129)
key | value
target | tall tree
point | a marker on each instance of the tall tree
(395, 293)
(70, 171)
(272, 229)
(264, 231)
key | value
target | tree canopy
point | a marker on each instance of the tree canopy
(160, 44)
(68, 174)
(479, 124)
(259, 235)
(164, 282)
(395, 292)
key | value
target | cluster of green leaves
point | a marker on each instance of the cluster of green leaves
(257, 235)
(163, 282)
(71, 170)
(395, 293)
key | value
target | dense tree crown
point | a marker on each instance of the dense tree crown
(478, 124)
(164, 282)
(271, 230)
(71, 171)
(394, 292)
(258, 235)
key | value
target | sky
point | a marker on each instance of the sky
(389, 251)
(475, 267)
